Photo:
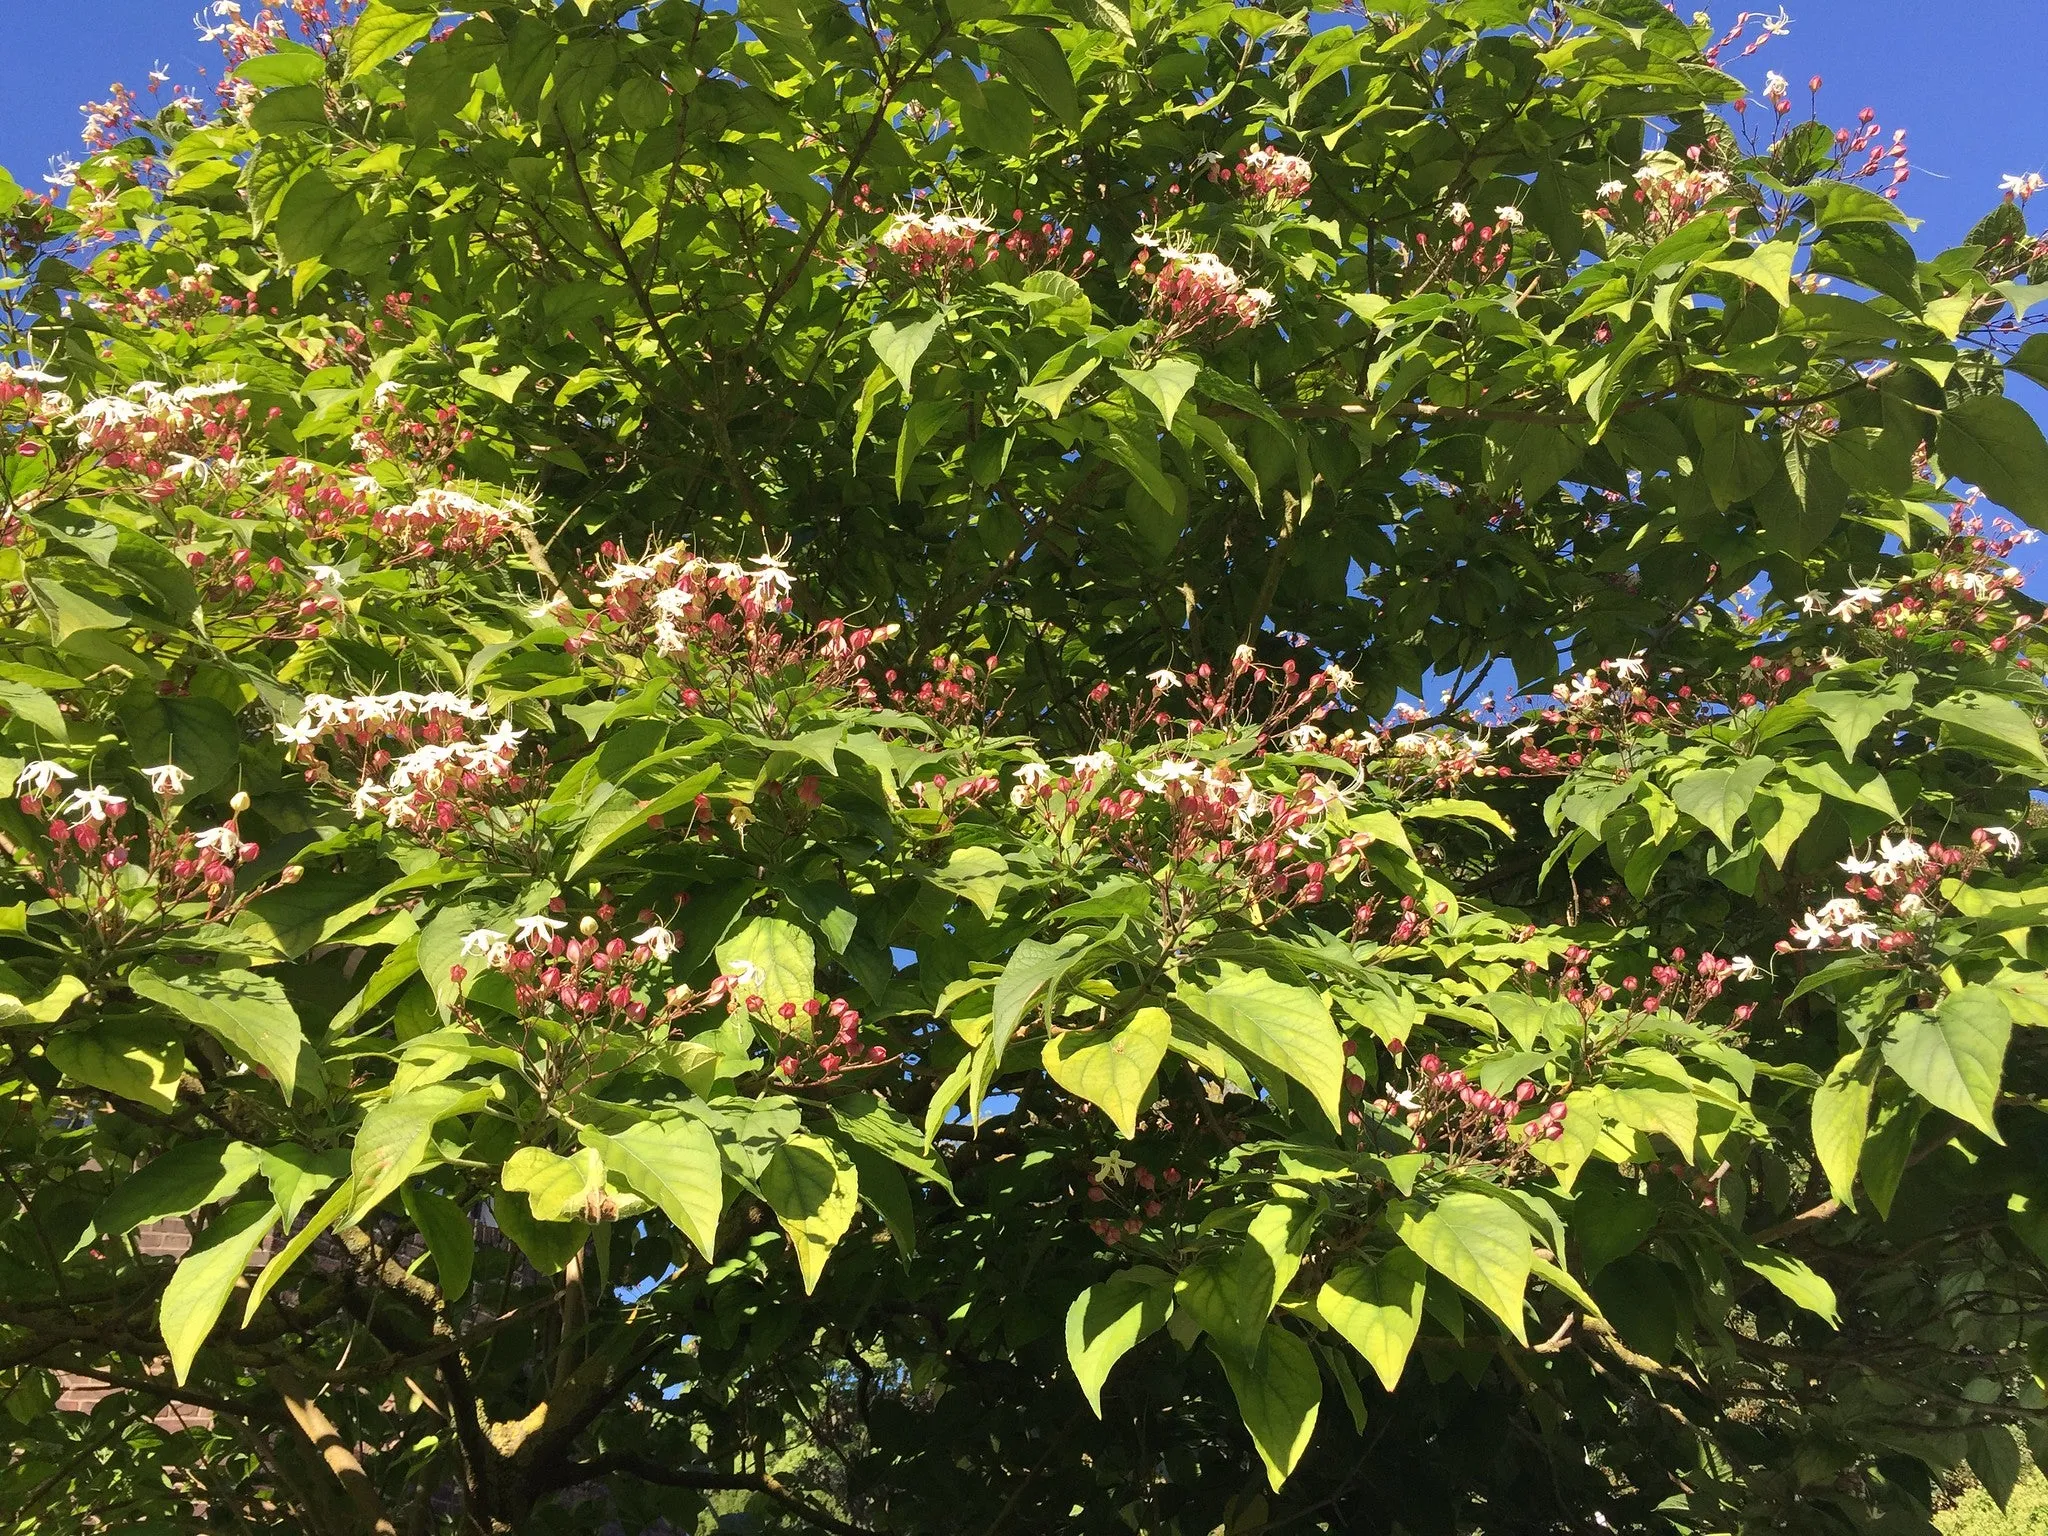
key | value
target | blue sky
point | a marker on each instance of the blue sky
(1961, 78)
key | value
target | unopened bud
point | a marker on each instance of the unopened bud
(291, 874)
(588, 926)
(239, 801)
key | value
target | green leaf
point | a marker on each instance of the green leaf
(1109, 1320)
(48, 1005)
(557, 1188)
(1033, 973)
(1955, 1057)
(1991, 727)
(450, 1238)
(1768, 267)
(1278, 1391)
(976, 874)
(128, 1057)
(313, 217)
(548, 1245)
(1286, 1027)
(292, 109)
(1478, 1244)
(1717, 798)
(1377, 1309)
(289, 63)
(1112, 1068)
(246, 1012)
(1232, 1291)
(35, 708)
(1993, 442)
(384, 30)
(781, 961)
(1794, 1280)
(1035, 57)
(868, 1120)
(206, 1277)
(900, 343)
(1841, 1119)
(330, 1211)
(624, 813)
(191, 1174)
(1166, 383)
(1052, 394)
(814, 1190)
(676, 1164)
(1459, 810)
(502, 384)
(392, 1143)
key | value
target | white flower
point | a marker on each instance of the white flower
(502, 740)
(659, 941)
(1775, 88)
(1509, 215)
(1110, 1168)
(1855, 600)
(1843, 909)
(1092, 762)
(1306, 736)
(2021, 187)
(1609, 190)
(489, 943)
(1165, 679)
(1902, 854)
(221, 840)
(1339, 679)
(97, 803)
(1910, 905)
(167, 778)
(2004, 837)
(1742, 968)
(1811, 603)
(40, 777)
(744, 973)
(771, 579)
(1856, 866)
(1172, 771)
(536, 931)
(1813, 932)
(1243, 656)
(1457, 213)
(1032, 775)
(300, 733)
(1626, 666)
(1861, 935)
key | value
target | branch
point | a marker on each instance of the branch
(765, 1483)
(326, 1440)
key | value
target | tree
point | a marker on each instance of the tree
(714, 758)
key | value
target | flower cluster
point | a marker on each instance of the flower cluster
(440, 783)
(442, 521)
(1678, 983)
(822, 1041)
(1484, 247)
(167, 436)
(1446, 1112)
(1893, 893)
(1125, 1196)
(1268, 173)
(125, 883)
(278, 600)
(1669, 191)
(319, 500)
(1196, 294)
(392, 432)
(726, 626)
(935, 247)
(588, 977)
